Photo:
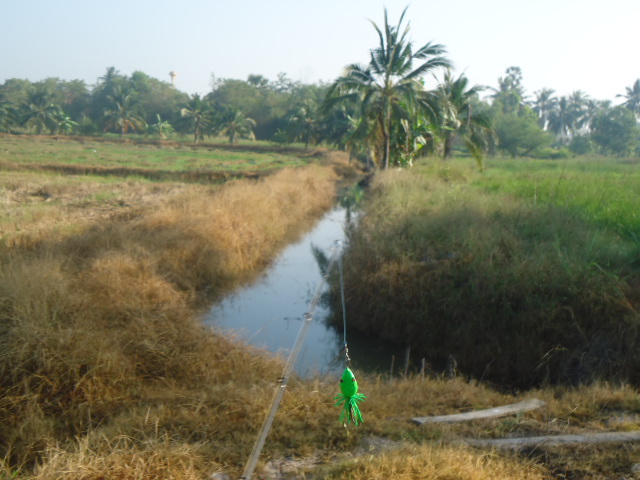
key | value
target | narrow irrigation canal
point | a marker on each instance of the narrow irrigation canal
(268, 314)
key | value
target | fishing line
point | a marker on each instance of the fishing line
(288, 368)
(344, 310)
(349, 398)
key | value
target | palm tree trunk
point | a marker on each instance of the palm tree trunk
(448, 146)
(386, 133)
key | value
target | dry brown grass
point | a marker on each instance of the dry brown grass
(124, 459)
(388, 445)
(99, 329)
(37, 206)
(438, 463)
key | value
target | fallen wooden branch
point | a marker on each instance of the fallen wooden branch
(514, 408)
(554, 440)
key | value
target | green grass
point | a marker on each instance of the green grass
(118, 154)
(604, 191)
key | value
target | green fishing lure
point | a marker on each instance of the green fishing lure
(349, 399)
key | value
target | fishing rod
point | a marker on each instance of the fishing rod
(288, 369)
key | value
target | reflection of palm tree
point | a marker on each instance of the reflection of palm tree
(389, 87)
(632, 97)
(122, 115)
(461, 119)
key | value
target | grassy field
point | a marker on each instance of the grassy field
(145, 158)
(605, 192)
(107, 372)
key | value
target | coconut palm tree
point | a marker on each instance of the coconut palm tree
(336, 125)
(563, 119)
(7, 115)
(510, 92)
(461, 119)
(233, 123)
(40, 112)
(122, 115)
(389, 88)
(570, 116)
(111, 77)
(632, 97)
(301, 123)
(196, 116)
(591, 109)
(580, 104)
(544, 104)
(110, 84)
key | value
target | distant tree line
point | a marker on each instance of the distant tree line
(380, 112)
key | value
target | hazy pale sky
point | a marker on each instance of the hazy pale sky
(566, 45)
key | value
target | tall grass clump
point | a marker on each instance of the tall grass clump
(100, 337)
(517, 292)
(124, 459)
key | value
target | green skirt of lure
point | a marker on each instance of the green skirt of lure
(349, 399)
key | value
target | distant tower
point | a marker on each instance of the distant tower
(173, 76)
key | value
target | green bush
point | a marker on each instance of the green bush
(86, 126)
(552, 153)
(581, 145)
(517, 293)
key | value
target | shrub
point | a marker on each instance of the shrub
(552, 153)
(581, 145)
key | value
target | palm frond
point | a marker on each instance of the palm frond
(430, 65)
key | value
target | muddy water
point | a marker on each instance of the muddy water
(269, 313)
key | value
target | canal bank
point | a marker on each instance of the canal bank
(268, 313)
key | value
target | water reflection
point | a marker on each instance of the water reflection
(268, 313)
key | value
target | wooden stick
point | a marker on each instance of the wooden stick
(554, 440)
(514, 408)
